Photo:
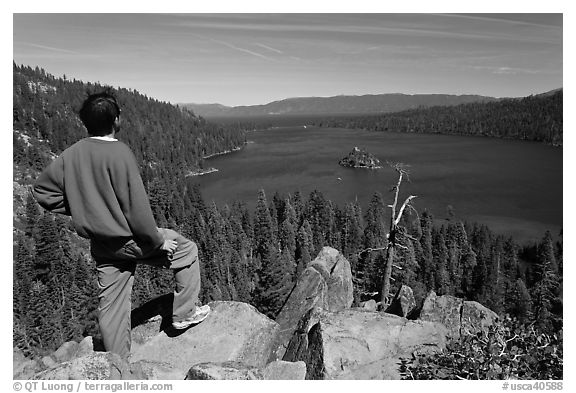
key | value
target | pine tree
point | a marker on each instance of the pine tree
(23, 276)
(303, 247)
(241, 277)
(440, 262)
(159, 201)
(427, 270)
(42, 330)
(522, 302)
(278, 278)
(288, 238)
(264, 238)
(48, 250)
(352, 233)
(32, 215)
(546, 285)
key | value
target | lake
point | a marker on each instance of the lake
(514, 187)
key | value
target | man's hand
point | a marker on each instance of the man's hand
(169, 246)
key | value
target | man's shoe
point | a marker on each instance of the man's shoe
(200, 315)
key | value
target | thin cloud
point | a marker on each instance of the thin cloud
(504, 70)
(500, 19)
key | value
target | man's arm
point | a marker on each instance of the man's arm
(49, 188)
(134, 203)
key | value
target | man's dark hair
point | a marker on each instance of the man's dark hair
(98, 113)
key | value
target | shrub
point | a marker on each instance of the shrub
(508, 350)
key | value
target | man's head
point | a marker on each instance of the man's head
(100, 114)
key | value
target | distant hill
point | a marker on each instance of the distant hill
(365, 104)
(533, 118)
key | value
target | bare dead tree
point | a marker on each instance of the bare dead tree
(396, 233)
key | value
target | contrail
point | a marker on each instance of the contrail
(269, 48)
(51, 48)
(236, 48)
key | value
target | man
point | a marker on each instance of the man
(98, 183)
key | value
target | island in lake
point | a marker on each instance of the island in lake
(359, 158)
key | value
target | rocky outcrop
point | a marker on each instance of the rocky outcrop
(326, 283)
(403, 302)
(234, 331)
(356, 344)
(458, 315)
(359, 158)
(317, 335)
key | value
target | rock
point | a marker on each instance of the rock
(370, 305)
(459, 316)
(444, 309)
(277, 370)
(359, 158)
(326, 283)
(96, 366)
(336, 271)
(355, 344)
(403, 302)
(85, 347)
(233, 331)
(309, 292)
(66, 351)
(281, 370)
(147, 370)
(48, 362)
(22, 367)
(476, 317)
(223, 371)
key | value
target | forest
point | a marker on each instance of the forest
(533, 118)
(250, 256)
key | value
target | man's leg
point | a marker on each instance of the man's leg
(115, 288)
(186, 266)
(186, 292)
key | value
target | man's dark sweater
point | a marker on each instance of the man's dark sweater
(98, 183)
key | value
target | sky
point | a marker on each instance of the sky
(248, 59)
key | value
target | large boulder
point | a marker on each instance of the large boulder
(96, 366)
(336, 272)
(356, 344)
(233, 331)
(325, 283)
(445, 309)
(281, 370)
(403, 302)
(458, 315)
(370, 305)
(476, 317)
(223, 371)
(277, 370)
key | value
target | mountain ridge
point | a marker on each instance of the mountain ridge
(345, 104)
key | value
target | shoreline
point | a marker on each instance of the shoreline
(223, 152)
(201, 172)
